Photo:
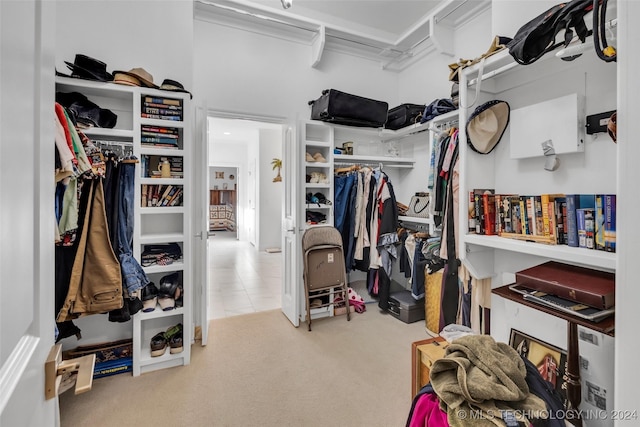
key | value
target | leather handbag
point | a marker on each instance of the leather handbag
(419, 205)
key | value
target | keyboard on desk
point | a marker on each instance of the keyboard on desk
(567, 306)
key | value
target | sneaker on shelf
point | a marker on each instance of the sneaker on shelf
(158, 344)
(309, 158)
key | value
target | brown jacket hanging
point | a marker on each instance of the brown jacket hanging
(96, 283)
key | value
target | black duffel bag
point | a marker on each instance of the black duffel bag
(538, 36)
(346, 109)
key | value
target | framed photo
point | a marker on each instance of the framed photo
(550, 360)
(219, 175)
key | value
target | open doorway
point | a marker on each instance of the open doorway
(244, 276)
(223, 205)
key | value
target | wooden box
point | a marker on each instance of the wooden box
(423, 354)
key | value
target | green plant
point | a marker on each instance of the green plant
(277, 164)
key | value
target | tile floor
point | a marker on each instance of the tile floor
(242, 280)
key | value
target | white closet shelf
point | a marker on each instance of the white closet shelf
(161, 238)
(597, 259)
(165, 360)
(123, 135)
(323, 165)
(415, 219)
(160, 313)
(93, 88)
(162, 181)
(321, 144)
(176, 266)
(161, 210)
(161, 151)
(389, 162)
(309, 185)
(162, 123)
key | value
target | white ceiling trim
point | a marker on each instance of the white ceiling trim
(432, 32)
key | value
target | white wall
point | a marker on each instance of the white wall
(244, 72)
(121, 34)
(271, 193)
(220, 182)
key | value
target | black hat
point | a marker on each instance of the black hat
(173, 86)
(486, 125)
(85, 67)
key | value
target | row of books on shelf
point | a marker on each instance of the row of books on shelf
(161, 108)
(161, 137)
(161, 195)
(578, 220)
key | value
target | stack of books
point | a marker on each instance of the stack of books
(159, 137)
(161, 195)
(161, 108)
(579, 220)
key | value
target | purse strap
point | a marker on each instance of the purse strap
(415, 205)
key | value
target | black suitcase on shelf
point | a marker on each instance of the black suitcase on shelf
(346, 109)
(404, 115)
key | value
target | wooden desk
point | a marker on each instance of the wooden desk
(572, 371)
(423, 354)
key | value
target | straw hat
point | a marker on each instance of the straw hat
(134, 77)
(486, 125)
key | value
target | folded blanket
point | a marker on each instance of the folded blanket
(478, 374)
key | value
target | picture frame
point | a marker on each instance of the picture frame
(550, 360)
(219, 175)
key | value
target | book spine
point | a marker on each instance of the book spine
(599, 222)
(162, 130)
(166, 101)
(162, 111)
(159, 140)
(144, 190)
(471, 217)
(165, 106)
(572, 230)
(589, 226)
(531, 215)
(159, 117)
(489, 214)
(523, 215)
(544, 202)
(610, 222)
(551, 215)
(478, 214)
(516, 223)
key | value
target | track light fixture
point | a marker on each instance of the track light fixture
(286, 4)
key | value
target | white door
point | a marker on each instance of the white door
(250, 217)
(291, 276)
(201, 223)
(27, 52)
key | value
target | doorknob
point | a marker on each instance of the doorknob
(200, 235)
(292, 230)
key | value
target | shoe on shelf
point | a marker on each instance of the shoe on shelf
(175, 343)
(318, 157)
(322, 178)
(315, 178)
(309, 158)
(158, 344)
(149, 297)
(173, 336)
(168, 291)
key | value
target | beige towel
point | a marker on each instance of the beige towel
(480, 374)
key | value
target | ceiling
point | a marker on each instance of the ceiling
(394, 32)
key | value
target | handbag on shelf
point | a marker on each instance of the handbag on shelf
(419, 205)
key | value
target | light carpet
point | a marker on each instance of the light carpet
(258, 370)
